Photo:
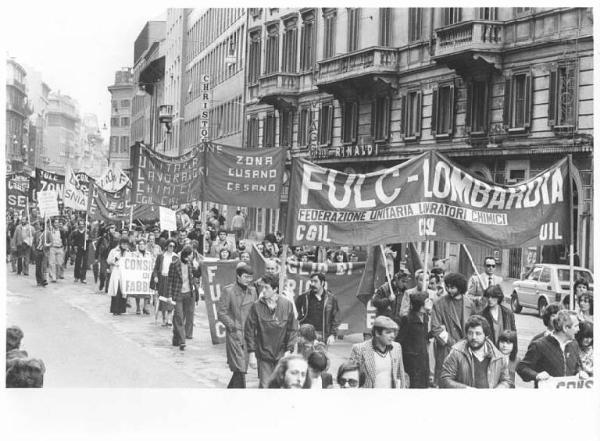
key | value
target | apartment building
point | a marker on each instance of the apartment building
(18, 111)
(121, 95)
(63, 132)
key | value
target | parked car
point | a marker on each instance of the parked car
(545, 283)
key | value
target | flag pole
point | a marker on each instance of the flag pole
(425, 279)
(471, 260)
(85, 232)
(387, 275)
(571, 234)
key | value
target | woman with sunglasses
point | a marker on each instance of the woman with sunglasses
(159, 281)
(349, 376)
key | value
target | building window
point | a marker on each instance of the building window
(381, 119)
(451, 16)
(353, 28)
(125, 103)
(252, 136)
(269, 130)
(411, 104)
(304, 126)
(290, 46)
(477, 107)
(517, 101)
(272, 50)
(114, 144)
(286, 119)
(124, 144)
(115, 105)
(415, 24)
(329, 22)
(114, 122)
(125, 122)
(307, 49)
(442, 113)
(385, 26)
(488, 13)
(254, 57)
(350, 122)
(325, 124)
(519, 12)
(562, 96)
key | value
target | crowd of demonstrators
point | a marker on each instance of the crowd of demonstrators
(21, 370)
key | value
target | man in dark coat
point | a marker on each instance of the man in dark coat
(180, 286)
(319, 307)
(388, 302)
(79, 242)
(449, 315)
(232, 310)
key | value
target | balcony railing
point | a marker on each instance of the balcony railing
(19, 85)
(478, 35)
(374, 60)
(280, 83)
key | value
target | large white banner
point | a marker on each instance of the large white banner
(135, 275)
(573, 382)
(168, 219)
(113, 179)
(75, 196)
(47, 203)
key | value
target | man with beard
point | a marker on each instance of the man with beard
(388, 302)
(233, 309)
(197, 234)
(448, 318)
(475, 362)
(319, 307)
(181, 289)
(78, 242)
(270, 330)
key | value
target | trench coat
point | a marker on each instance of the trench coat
(113, 261)
(232, 310)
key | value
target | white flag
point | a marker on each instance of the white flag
(113, 179)
(74, 197)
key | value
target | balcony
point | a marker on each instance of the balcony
(18, 84)
(470, 45)
(279, 89)
(22, 109)
(372, 69)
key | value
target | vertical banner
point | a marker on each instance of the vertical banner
(113, 179)
(45, 180)
(215, 277)
(243, 177)
(136, 272)
(16, 192)
(47, 203)
(116, 207)
(75, 196)
(168, 219)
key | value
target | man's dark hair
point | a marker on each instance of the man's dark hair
(580, 282)
(238, 211)
(509, 337)
(318, 361)
(550, 310)
(586, 329)
(590, 299)
(350, 366)
(494, 291)
(416, 302)
(14, 335)
(457, 280)
(307, 331)
(25, 373)
(186, 251)
(475, 321)
(321, 276)
(271, 280)
(277, 380)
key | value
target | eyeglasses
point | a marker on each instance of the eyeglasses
(351, 382)
(491, 266)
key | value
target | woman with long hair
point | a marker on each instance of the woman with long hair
(118, 302)
(159, 280)
(585, 307)
(507, 344)
(585, 340)
(290, 373)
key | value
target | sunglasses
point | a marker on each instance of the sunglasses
(352, 382)
(491, 266)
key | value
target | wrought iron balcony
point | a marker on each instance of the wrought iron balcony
(279, 89)
(463, 45)
(363, 68)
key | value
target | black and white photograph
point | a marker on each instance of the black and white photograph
(388, 197)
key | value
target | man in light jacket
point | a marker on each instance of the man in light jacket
(475, 362)
(23, 241)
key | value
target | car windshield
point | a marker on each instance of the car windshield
(563, 275)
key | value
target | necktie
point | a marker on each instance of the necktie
(490, 281)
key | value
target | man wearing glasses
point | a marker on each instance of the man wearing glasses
(479, 283)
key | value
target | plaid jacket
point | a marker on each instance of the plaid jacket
(175, 280)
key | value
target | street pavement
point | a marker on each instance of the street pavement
(69, 326)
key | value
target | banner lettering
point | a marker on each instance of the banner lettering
(215, 277)
(572, 382)
(135, 275)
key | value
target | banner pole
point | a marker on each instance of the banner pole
(387, 274)
(283, 271)
(131, 217)
(471, 260)
(85, 233)
(571, 234)
(424, 288)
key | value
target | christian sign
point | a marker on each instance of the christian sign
(251, 178)
(164, 180)
(427, 197)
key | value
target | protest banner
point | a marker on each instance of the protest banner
(45, 180)
(16, 192)
(168, 219)
(215, 277)
(427, 197)
(572, 382)
(250, 178)
(47, 203)
(74, 196)
(113, 179)
(135, 275)
(116, 207)
(164, 180)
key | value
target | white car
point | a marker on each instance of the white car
(545, 283)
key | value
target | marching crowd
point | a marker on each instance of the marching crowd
(442, 330)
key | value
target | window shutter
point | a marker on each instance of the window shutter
(403, 116)
(469, 108)
(330, 125)
(552, 98)
(507, 103)
(355, 121)
(373, 121)
(418, 118)
(434, 106)
(452, 106)
(387, 117)
(528, 99)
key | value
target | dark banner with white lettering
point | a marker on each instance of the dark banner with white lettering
(116, 207)
(17, 186)
(45, 180)
(427, 197)
(164, 180)
(250, 178)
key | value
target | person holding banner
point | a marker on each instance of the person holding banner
(159, 280)
(555, 355)
(319, 307)
(118, 303)
(143, 254)
(233, 308)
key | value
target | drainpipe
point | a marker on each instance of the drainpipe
(431, 34)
